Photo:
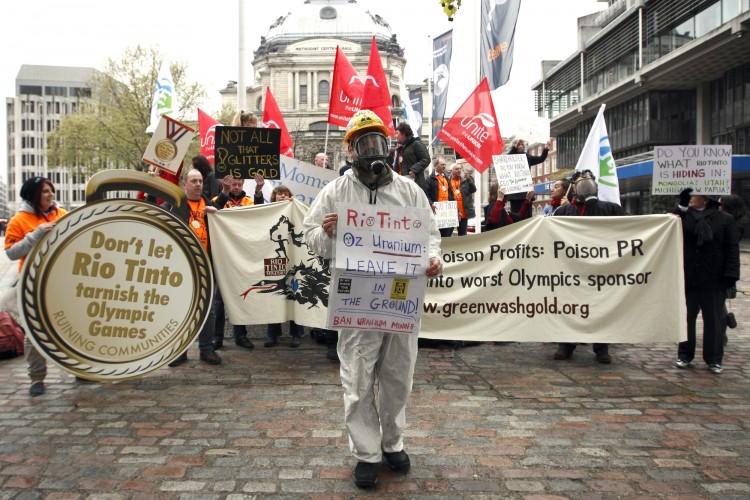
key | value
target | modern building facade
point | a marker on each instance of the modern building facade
(671, 72)
(44, 95)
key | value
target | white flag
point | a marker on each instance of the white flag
(597, 157)
(409, 114)
(165, 99)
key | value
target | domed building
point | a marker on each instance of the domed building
(296, 57)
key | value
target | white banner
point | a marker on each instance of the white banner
(562, 279)
(706, 168)
(305, 180)
(545, 279)
(263, 267)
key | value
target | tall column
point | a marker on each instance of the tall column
(309, 90)
(290, 90)
(296, 90)
(315, 87)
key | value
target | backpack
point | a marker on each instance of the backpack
(11, 337)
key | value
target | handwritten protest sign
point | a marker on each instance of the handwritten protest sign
(378, 281)
(513, 173)
(244, 151)
(707, 168)
(446, 214)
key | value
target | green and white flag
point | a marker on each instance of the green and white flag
(165, 99)
(597, 157)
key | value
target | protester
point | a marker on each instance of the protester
(410, 157)
(192, 183)
(519, 147)
(35, 218)
(321, 160)
(559, 196)
(587, 204)
(283, 193)
(711, 254)
(211, 186)
(244, 119)
(495, 213)
(734, 206)
(232, 196)
(438, 189)
(375, 430)
(463, 188)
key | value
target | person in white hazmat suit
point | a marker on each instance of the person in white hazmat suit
(375, 430)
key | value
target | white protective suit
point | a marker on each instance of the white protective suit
(367, 356)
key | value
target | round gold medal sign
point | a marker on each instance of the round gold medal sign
(166, 150)
(117, 289)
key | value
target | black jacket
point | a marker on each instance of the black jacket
(432, 188)
(592, 208)
(715, 261)
(413, 158)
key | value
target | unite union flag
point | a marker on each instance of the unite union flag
(346, 91)
(272, 119)
(473, 130)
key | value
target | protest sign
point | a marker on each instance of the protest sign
(304, 179)
(527, 282)
(244, 151)
(168, 145)
(446, 214)
(531, 282)
(707, 168)
(379, 277)
(513, 173)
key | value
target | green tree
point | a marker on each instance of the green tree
(108, 130)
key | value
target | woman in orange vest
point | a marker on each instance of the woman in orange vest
(36, 217)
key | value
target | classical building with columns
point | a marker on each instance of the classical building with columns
(296, 57)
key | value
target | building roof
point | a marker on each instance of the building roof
(328, 18)
(38, 73)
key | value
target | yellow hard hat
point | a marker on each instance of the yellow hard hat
(364, 119)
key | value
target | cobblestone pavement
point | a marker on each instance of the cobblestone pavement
(489, 421)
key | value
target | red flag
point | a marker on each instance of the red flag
(207, 127)
(473, 130)
(346, 91)
(272, 119)
(377, 96)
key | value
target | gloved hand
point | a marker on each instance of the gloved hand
(685, 196)
(727, 282)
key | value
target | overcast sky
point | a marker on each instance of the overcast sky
(204, 35)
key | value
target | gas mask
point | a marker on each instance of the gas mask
(585, 183)
(370, 150)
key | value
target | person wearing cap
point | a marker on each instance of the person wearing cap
(586, 203)
(711, 253)
(36, 217)
(375, 429)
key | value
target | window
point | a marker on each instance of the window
(259, 103)
(324, 91)
(303, 94)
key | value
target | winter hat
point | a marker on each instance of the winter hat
(32, 187)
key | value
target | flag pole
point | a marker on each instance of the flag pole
(325, 145)
(241, 91)
(477, 175)
(429, 91)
